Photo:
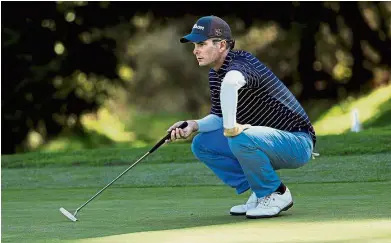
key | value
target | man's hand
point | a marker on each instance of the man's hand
(178, 133)
(238, 129)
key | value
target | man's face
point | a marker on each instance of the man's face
(208, 52)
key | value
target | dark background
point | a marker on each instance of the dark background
(61, 60)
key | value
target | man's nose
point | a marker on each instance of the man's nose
(195, 51)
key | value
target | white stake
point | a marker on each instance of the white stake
(356, 125)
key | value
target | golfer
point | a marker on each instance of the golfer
(255, 126)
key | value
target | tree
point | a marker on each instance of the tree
(41, 49)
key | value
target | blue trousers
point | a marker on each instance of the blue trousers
(250, 160)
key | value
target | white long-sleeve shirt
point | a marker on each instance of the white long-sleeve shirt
(232, 82)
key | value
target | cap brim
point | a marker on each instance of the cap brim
(193, 38)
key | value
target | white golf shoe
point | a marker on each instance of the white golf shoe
(271, 205)
(243, 208)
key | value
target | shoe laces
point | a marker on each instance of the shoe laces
(265, 201)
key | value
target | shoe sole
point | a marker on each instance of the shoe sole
(241, 214)
(237, 214)
(270, 216)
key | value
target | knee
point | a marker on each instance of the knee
(196, 144)
(241, 144)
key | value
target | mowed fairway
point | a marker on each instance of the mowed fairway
(337, 199)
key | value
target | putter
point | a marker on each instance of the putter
(73, 218)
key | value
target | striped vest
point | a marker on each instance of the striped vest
(264, 100)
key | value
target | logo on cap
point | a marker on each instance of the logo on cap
(199, 27)
(218, 32)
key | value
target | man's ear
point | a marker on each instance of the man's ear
(224, 43)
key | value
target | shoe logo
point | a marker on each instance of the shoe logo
(199, 27)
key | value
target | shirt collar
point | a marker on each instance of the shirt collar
(226, 62)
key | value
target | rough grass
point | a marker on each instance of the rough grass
(330, 145)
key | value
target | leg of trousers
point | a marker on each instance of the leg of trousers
(250, 160)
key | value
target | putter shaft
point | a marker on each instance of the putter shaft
(104, 188)
(161, 142)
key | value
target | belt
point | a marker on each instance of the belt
(309, 134)
(301, 130)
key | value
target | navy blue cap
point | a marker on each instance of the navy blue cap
(208, 27)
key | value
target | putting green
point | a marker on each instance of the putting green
(264, 231)
(337, 199)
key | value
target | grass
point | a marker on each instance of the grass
(174, 196)
(330, 145)
(264, 232)
(341, 196)
(325, 169)
(33, 216)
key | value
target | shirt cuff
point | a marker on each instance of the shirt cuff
(210, 123)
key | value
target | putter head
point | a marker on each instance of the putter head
(68, 214)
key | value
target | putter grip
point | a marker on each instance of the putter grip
(183, 125)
